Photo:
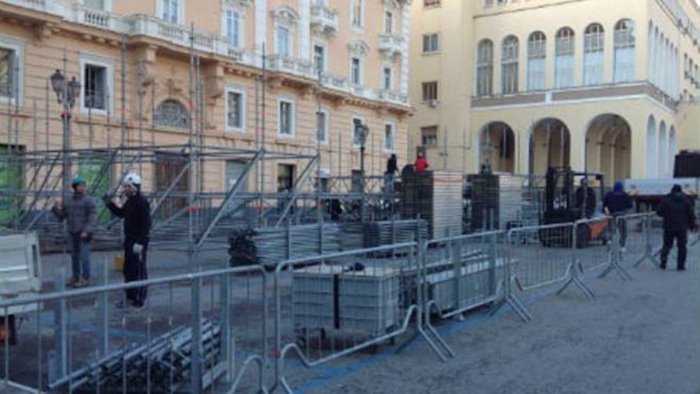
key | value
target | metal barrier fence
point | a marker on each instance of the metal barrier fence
(195, 332)
(332, 305)
(208, 331)
(469, 271)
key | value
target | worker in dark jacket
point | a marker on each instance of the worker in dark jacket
(679, 217)
(617, 203)
(136, 213)
(390, 175)
(80, 214)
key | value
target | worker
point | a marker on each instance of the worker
(421, 164)
(616, 204)
(678, 215)
(585, 199)
(80, 214)
(136, 213)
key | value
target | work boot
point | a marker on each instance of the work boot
(663, 265)
(681, 268)
(72, 282)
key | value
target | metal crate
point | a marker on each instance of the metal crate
(332, 298)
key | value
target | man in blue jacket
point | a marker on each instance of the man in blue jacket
(136, 213)
(679, 217)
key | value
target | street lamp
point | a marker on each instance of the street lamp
(67, 93)
(361, 131)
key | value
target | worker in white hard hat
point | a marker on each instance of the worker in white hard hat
(136, 213)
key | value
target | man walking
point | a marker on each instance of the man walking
(136, 213)
(617, 203)
(80, 215)
(678, 216)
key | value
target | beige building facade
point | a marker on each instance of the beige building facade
(523, 85)
(285, 75)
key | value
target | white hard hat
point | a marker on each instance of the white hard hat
(132, 179)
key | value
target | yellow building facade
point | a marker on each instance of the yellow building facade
(287, 76)
(522, 85)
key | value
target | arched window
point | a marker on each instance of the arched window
(650, 53)
(593, 54)
(652, 142)
(536, 61)
(509, 65)
(484, 68)
(564, 63)
(172, 113)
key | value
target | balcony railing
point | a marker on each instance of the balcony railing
(98, 18)
(390, 44)
(290, 65)
(55, 7)
(325, 19)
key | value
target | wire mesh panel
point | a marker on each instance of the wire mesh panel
(337, 304)
(633, 236)
(194, 332)
(464, 272)
(541, 254)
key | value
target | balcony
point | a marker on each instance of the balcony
(98, 18)
(390, 44)
(324, 20)
(290, 65)
(392, 96)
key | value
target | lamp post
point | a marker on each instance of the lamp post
(67, 93)
(362, 131)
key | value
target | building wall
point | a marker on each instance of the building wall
(608, 120)
(157, 59)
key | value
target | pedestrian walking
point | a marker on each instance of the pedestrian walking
(616, 204)
(80, 213)
(136, 213)
(390, 175)
(421, 164)
(678, 215)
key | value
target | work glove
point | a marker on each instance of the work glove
(137, 249)
(107, 198)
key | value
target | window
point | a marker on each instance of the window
(430, 91)
(235, 110)
(564, 62)
(233, 27)
(95, 4)
(356, 136)
(356, 71)
(387, 78)
(428, 136)
(286, 118)
(319, 58)
(283, 44)
(484, 69)
(322, 126)
(234, 169)
(430, 43)
(171, 10)
(431, 3)
(356, 13)
(389, 138)
(624, 68)
(509, 65)
(171, 113)
(593, 54)
(285, 177)
(388, 22)
(536, 61)
(9, 72)
(95, 87)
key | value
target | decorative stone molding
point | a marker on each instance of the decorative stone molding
(358, 48)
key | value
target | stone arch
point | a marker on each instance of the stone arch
(652, 149)
(608, 147)
(497, 147)
(550, 145)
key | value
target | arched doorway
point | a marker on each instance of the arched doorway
(608, 147)
(550, 145)
(497, 147)
(651, 147)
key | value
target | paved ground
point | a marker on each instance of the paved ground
(636, 337)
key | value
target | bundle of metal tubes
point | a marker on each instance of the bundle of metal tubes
(163, 363)
(278, 244)
(372, 234)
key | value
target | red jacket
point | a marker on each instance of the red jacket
(421, 164)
